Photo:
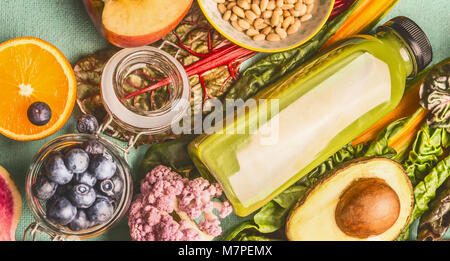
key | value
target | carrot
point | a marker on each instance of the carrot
(407, 106)
(366, 15)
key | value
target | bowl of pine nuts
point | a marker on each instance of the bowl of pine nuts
(267, 25)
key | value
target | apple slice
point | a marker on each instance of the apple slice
(133, 23)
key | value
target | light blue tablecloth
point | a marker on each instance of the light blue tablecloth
(65, 24)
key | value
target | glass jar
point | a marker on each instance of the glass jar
(137, 120)
(37, 207)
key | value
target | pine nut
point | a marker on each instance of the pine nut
(233, 17)
(243, 4)
(259, 37)
(308, 2)
(305, 18)
(258, 22)
(273, 37)
(294, 28)
(252, 32)
(250, 15)
(219, 1)
(238, 11)
(256, 9)
(275, 20)
(287, 6)
(277, 11)
(222, 8)
(263, 5)
(266, 30)
(295, 13)
(303, 10)
(271, 5)
(236, 26)
(243, 24)
(281, 32)
(227, 15)
(287, 22)
(280, 3)
(267, 14)
(230, 5)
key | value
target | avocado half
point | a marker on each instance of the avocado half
(364, 199)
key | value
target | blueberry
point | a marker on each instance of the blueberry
(44, 189)
(111, 187)
(77, 160)
(87, 124)
(85, 178)
(101, 211)
(107, 198)
(82, 196)
(64, 190)
(93, 147)
(106, 186)
(80, 221)
(60, 210)
(102, 167)
(39, 113)
(57, 171)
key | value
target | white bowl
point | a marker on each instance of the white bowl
(320, 13)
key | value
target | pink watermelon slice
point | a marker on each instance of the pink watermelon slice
(10, 206)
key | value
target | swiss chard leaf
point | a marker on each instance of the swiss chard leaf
(425, 191)
(436, 220)
(435, 96)
(425, 152)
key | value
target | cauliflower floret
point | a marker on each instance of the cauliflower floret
(164, 195)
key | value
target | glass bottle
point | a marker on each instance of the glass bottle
(322, 106)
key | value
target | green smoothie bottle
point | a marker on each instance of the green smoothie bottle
(321, 107)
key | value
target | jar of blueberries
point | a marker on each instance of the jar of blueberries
(78, 187)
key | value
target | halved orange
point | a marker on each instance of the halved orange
(33, 70)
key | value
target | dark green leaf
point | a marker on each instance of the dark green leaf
(425, 191)
(426, 150)
(435, 96)
(436, 220)
(171, 153)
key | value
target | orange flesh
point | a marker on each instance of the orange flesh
(31, 72)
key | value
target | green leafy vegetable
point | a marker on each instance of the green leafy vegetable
(435, 96)
(273, 67)
(435, 221)
(425, 191)
(171, 153)
(426, 150)
(399, 129)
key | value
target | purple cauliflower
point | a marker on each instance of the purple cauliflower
(164, 195)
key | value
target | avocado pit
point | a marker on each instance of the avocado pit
(367, 207)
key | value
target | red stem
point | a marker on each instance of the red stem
(224, 56)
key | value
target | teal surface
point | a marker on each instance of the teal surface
(65, 24)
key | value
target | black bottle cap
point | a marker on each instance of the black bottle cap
(415, 37)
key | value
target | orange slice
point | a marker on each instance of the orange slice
(33, 70)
